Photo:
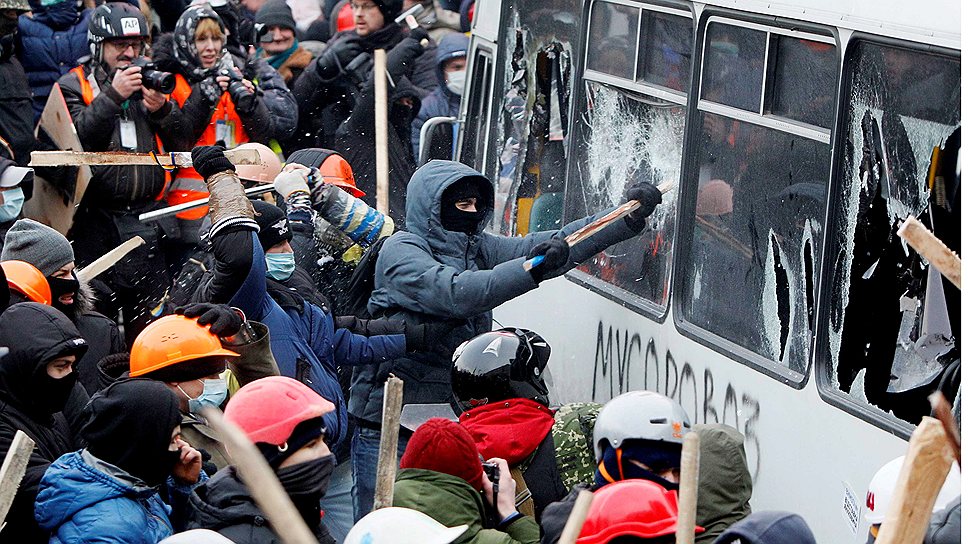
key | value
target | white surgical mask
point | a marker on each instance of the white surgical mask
(455, 81)
(13, 202)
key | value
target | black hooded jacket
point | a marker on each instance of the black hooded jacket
(35, 334)
(224, 505)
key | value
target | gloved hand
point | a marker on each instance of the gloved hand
(337, 56)
(287, 183)
(649, 197)
(403, 56)
(224, 320)
(555, 252)
(209, 160)
(430, 336)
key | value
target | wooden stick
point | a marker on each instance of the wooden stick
(932, 249)
(382, 149)
(155, 215)
(942, 411)
(109, 259)
(925, 468)
(121, 158)
(688, 489)
(386, 466)
(13, 469)
(590, 229)
(577, 517)
(261, 481)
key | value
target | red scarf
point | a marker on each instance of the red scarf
(510, 430)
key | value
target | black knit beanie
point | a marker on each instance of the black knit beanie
(273, 224)
(304, 433)
(275, 13)
(390, 10)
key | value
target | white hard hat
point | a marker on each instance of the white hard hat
(639, 415)
(266, 171)
(882, 486)
(401, 526)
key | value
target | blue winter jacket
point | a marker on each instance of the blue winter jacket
(440, 102)
(53, 40)
(305, 343)
(428, 272)
(84, 499)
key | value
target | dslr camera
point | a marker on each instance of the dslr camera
(153, 78)
(243, 98)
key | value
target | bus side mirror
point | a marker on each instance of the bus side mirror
(438, 144)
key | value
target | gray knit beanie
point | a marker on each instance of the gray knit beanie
(37, 244)
(276, 12)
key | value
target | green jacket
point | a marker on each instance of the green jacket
(451, 501)
(725, 485)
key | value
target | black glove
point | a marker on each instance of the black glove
(649, 197)
(224, 321)
(334, 60)
(555, 255)
(429, 336)
(209, 160)
(419, 34)
(401, 59)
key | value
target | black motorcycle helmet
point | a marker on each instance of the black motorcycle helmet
(499, 365)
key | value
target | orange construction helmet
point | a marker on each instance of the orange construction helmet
(332, 167)
(171, 340)
(266, 171)
(639, 508)
(27, 280)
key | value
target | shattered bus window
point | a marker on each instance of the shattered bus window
(629, 139)
(758, 219)
(892, 331)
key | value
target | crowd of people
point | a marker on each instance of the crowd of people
(290, 311)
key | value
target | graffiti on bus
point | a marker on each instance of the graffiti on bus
(625, 362)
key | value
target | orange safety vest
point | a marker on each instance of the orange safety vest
(189, 185)
(87, 94)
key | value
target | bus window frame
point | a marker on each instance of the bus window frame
(485, 51)
(822, 359)
(610, 291)
(688, 192)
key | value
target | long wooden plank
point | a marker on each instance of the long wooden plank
(122, 158)
(688, 489)
(932, 249)
(386, 467)
(12, 471)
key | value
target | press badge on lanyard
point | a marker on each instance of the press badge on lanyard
(225, 132)
(129, 133)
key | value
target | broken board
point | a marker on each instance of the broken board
(47, 204)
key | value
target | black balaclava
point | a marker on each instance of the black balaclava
(130, 426)
(62, 286)
(37, 334)
(457, 220)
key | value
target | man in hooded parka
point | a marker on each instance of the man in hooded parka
(36, 380)
(445, 266)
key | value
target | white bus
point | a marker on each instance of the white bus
(770, 292)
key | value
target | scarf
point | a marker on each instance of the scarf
(277, 60)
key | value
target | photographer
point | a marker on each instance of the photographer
(441, 475)
(219, 101)
(115, 108)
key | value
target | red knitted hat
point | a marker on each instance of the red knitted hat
(444, 446)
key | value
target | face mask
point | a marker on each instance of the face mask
(214, 393)
(455, 82)
(60, 287)
(306, 483)
(56, 391)
(13, 202)
(279, 266)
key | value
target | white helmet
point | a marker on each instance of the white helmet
(882, 486)
(401, 526)
(264, 172)
(640, 415)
